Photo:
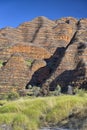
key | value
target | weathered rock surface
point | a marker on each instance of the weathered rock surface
(57, 49)
(15, 72)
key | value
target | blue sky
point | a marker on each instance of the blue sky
(14, 12)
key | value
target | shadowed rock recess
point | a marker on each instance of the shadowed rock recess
(44, 53)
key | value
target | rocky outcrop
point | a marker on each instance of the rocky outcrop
(45, 53)
(72, 68)
(15, 72)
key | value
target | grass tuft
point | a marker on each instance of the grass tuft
(30, 114)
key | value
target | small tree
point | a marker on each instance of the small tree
(57, 90)
(76, 89)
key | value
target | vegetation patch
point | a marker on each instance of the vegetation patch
(1, 63)
(29, 62)
(32, 113)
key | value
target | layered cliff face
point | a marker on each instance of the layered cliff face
(44, 53)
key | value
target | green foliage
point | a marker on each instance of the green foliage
(76, 90)
(33, 91)
(36, 91)
(13, 96)
(81, 92)
(1, 63)
(6, 118)
(56, 92)
(20, 121)
(9, 96)
(30, 114)
(29, 62)
(3, 96)
(2, 102)
(61, 110)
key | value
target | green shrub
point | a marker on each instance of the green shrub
(3, 96)
(81, 92)
(75, 90)
(22, 92)
(13, 96)
(29, 62)
(1, 63)
(33, 91)
(56, 92)
(36, 91)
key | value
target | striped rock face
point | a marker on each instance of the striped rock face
(44, 53)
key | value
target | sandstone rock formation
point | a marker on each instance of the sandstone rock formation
(44, 53)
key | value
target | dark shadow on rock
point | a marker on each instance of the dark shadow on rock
(68, 77)
(42, 74)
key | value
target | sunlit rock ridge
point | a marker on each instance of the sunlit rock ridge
(44, 53)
